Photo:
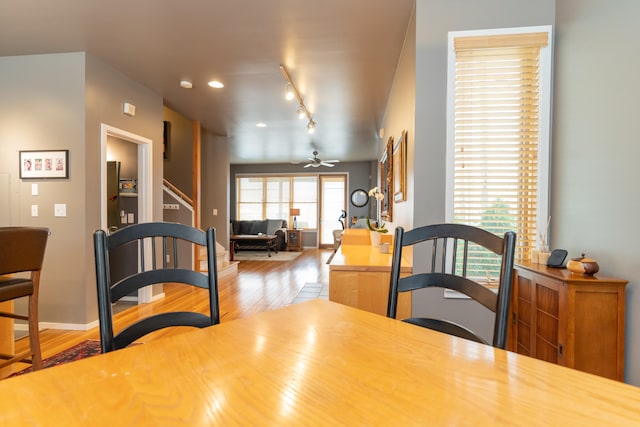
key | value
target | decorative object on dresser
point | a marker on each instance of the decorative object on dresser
(583, 265)
(294, 240)
(573, 320)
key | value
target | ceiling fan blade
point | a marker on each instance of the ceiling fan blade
(330, 165)
(331, 161)
(308, 165)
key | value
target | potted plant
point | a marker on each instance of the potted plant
(377, 229)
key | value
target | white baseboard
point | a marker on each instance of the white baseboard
(62, 326)
(76, 326)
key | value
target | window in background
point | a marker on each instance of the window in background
(498, 134)
(271, 196)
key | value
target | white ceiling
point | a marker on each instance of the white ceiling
(341, 55)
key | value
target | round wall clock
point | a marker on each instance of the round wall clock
(359, 198)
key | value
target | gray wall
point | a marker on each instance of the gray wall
(58, 102)
(594, 194)
(178, 167)
(215, 185)
(434, 19)
(593, 202)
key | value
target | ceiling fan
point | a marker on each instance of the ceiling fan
(315, 161)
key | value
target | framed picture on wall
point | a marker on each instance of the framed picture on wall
(386, 181)
(44, 164)
(400, 168)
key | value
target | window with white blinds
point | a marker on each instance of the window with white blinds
(499, 98)
(272, 196)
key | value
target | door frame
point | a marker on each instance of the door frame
(321, 202)
(145, 182)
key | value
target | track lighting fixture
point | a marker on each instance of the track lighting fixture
(291, 93)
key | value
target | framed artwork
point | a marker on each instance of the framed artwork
(44, 164)
(400, 168)
(386, 181)
(166, 139)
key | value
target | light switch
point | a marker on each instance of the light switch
(34, 190)
(130, 218)
(215, 212)
(34, 210)
(60, 209)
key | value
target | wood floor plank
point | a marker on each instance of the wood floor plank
(259, 286)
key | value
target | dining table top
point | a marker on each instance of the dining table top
(315, 363)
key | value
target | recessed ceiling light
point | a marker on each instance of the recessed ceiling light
(216, 84)
(261, 125)
(186, 84)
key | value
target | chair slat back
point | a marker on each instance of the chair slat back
(151, 241)
(452, 267)
(22, 249)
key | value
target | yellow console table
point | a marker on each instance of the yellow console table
(359, 276)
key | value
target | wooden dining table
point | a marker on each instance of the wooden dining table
(317, 363)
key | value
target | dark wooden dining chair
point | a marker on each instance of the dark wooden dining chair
(158, 245)
(22, 251)
(460, 255)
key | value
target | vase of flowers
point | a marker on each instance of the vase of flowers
(377, 229)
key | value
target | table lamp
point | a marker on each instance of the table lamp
(294, 213)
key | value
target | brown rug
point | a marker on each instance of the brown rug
(85, 349)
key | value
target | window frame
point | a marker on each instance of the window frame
(291, 202)
(544, 124)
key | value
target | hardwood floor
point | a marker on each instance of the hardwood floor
(259, 286)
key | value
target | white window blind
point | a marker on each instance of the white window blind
(272, 196)
(498, 148)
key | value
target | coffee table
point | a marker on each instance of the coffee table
(253, 241)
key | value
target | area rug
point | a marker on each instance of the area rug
(262, 256)
(85, 349)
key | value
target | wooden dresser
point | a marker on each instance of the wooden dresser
(569, 319)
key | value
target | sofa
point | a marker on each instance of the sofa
(277, 227)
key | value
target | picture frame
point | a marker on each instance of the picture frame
(400, 168)
(44, 164)
(166, 139)
(386, 181)
(128, 185)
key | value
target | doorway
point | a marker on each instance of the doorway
(333, 199)
(143, 182)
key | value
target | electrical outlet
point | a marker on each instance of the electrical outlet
(34, 210)
(215, 212)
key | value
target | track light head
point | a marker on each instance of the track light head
(311, 126)
(301, 113)
(288, 94)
